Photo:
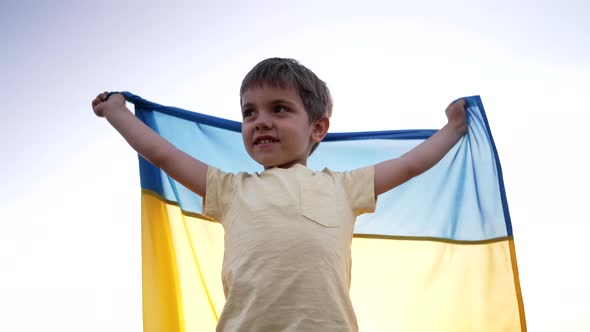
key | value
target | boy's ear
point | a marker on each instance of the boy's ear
(320, 129)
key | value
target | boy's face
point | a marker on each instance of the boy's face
(276, 129)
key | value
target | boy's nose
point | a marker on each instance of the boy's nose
(263, 123)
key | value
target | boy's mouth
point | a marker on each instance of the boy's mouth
(265, 140)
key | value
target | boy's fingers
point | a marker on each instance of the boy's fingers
(457, 103)
(97, 101)
(102, 96)
(99, 98)
(98, 110)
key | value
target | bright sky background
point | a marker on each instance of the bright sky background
(70, 254)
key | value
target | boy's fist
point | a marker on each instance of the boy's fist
(456, 115)
(100, 104)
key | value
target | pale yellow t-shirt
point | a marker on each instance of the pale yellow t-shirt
(288, 232)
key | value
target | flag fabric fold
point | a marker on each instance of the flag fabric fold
(437, 255)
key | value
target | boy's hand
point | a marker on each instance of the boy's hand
(456, 115)
(101, 106)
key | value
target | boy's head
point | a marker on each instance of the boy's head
(287, 77)
(289, 73)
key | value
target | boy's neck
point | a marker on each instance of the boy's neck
(286, 166)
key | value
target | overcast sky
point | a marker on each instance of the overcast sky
(70, 254)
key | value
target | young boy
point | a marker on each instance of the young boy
(288, 229)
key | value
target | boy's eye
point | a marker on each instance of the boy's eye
(247, 113)
(279, 109)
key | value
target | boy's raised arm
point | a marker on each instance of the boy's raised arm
(192, 173)
(391, 173)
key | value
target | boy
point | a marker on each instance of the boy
(288, 229)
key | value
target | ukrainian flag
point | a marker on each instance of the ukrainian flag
(438, 255)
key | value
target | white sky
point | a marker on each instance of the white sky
(70, 255)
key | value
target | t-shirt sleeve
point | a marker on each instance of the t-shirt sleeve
(218, 193)
(359, 185)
